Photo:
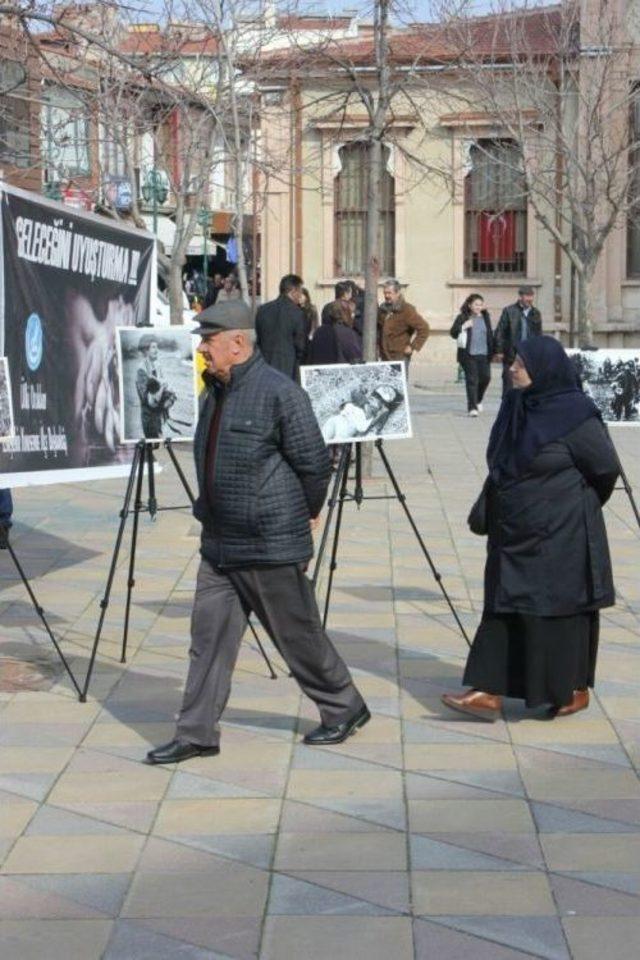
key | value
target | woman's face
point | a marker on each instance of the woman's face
(476, 306)
(520, 379)
(304, 300)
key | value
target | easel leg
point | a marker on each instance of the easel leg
(152, 503)
(333, 500)
(40, 612)
(336, 537)
(147, 455)
(403, 503)
(274, 675)
(629, 492)
(179, 471)
(104, 603)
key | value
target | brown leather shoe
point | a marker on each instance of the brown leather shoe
(482, 706)
(580, 702)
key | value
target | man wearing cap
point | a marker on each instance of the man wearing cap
(263, 471)
(517, 322)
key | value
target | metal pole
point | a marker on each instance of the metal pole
(204, 255)
(154, 194)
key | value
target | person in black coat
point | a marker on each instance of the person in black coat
(263, 471)
(335, 340)
(518, 322)
(472, 330)
(552, 467)
(280, 328)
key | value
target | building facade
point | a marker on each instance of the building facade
(455, 216)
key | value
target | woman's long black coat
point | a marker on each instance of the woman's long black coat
(547, 552)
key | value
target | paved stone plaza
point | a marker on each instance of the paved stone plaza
(425, 836)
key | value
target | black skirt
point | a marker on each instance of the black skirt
(535, 659)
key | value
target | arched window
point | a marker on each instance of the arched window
(495, 211)
(350, 213)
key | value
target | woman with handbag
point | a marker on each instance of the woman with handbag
(552, 466)
(472, 330)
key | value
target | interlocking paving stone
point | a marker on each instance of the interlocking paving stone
(509, 840)
(541, 936)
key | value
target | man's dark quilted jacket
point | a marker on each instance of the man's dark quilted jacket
(270, 471)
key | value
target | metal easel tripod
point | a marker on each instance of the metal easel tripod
(36, 606)
(340, 494)
(143, 461)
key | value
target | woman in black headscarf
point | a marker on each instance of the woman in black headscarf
(552, 467)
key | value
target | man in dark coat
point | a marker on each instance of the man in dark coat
(263, 471)
(517, 322)
(280, 328)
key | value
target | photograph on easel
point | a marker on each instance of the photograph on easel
(7, 425)
(612, 379)
(157, 383)
(358, 402)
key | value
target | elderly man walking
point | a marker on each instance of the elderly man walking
(401, 329)
(263, 471)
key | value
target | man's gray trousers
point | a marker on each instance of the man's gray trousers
(283, 600)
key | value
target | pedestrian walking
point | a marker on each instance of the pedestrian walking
(280, 328)
(552, 467)
(472, 331)
(263, 472)
(517, 322)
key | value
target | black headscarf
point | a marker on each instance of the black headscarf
(550, 408)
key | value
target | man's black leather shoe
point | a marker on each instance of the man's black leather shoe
(326, 735)
(177, 750)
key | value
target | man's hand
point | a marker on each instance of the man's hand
(497, 358)
(314, 523)
(408, 351)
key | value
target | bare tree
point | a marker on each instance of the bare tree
(556, 82)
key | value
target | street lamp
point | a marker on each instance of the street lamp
(51, 190)
(204, 220)
(154, 191)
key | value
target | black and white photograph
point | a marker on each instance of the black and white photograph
(157, 383)
(612, 379)
(7, 427)
(356, 402)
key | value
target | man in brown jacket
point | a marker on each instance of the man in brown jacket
(401, 329)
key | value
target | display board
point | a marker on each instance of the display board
(157, 383)
(67, 280)
(357, 402)
(612, 379)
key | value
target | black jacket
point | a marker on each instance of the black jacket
(270, 470)
(507, 333)
(547, 552)
(458, 323)
(335, 343)
(280, 332)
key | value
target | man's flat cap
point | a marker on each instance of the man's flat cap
(228, 315)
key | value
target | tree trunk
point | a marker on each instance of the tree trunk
(176, 305)
(372, 251)
(585, 300)
(238, 225)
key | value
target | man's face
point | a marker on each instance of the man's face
(296, 295)
(219, 351)
(217, 279)
(153, 351)
(526, 299)
(228, 284)
(391, 295)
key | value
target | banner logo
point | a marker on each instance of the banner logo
(33, 342)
